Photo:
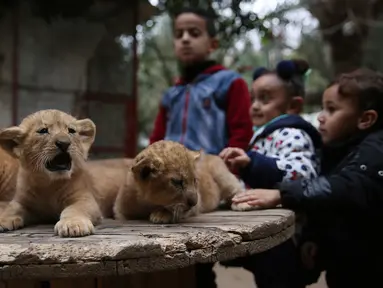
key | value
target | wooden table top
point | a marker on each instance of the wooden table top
(138, 246)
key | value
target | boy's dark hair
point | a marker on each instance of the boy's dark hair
(291, 72)
(208, 16)
(366, 86)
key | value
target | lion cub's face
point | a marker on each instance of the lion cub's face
(165, 175)
(50, 142)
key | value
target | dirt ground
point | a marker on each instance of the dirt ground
(238, 277)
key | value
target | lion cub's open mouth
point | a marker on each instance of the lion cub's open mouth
(61, 162)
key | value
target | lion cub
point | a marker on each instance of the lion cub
(52, 183)
(8, 174)
(168, 182)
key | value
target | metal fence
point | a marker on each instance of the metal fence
(42, 66)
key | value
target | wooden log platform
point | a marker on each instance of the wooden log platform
(131, 248)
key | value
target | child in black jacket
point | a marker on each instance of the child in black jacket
(344, 206)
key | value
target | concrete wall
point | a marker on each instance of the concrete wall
(57, 58)
(54, 56)
(110, 71)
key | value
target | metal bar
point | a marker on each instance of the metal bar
(131, 108)
(35, 88)
(107, 149)
(15, 65)
(107, 99)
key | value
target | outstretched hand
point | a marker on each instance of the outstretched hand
(262, 198)
(235, 158)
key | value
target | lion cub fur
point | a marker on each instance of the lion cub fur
(47, 196)
(108, 175)
(8, 175)
(167, 182)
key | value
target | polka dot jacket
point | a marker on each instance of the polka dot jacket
(284, 154)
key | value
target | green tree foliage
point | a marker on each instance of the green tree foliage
(158, 68)
(313, 49)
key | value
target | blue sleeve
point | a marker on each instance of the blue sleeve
(262, 171)
(165, 101)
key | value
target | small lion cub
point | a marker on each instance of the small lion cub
(167, 182)
(52, 182)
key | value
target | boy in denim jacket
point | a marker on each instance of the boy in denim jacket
(207, 108)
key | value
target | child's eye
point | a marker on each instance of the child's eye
(265, 98)
(194, 32)
(178, 34)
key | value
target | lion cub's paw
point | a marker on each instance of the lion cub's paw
(243, 207)
(11, 223)
(161, 217)
(74, 227)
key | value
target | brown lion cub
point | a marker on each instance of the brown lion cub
(168, 182)
(52, 183)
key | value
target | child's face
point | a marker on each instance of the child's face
(269, 99)
(192, 42)
(339, 118)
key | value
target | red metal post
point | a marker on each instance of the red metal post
(15, 65)
(131, 106)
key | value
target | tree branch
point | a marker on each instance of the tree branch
(167, 72)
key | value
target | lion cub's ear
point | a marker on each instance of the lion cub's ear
(11, 138)
(147, 167)
(198, 157)
(87, 131)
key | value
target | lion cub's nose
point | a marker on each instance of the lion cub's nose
(191, 201)
(62, 145)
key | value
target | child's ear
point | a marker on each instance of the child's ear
(214, 44)
(296, 105)
(367, 120)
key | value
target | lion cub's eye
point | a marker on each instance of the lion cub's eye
(71, 130)
(43, 131)
(177, 182)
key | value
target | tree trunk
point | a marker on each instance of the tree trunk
(347, 47)
(346, 51)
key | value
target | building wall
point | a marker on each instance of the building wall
(58, 63)
(110, 76)
(52, 62)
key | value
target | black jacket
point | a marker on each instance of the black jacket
(345, 211)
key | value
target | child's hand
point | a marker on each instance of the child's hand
(308, 253)
(235, 158)
(262, 198)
